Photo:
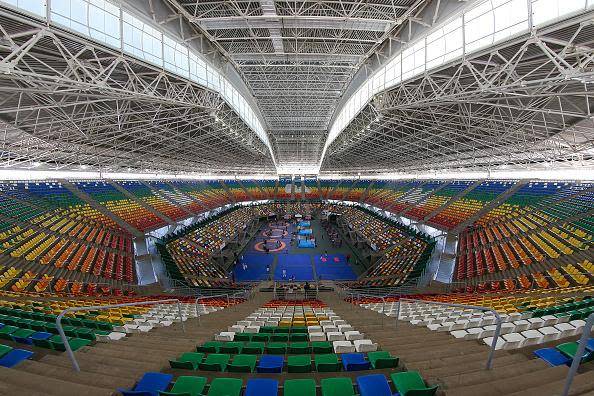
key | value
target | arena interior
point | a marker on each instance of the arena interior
(296, 197)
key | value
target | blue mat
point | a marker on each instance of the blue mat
(333, 267)
(306, 231)
(304, 224)
(306, 243)
(298, 265)
(256, 267)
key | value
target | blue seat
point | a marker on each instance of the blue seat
(374, 385)
(270, 364)
(261, 387)
(14, 357)
(149, 385)
(552, 356)
(354, 362)
(40, 335)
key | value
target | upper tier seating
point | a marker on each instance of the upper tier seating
(123, 207)
(146, 195)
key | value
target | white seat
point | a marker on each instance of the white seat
(344, 328)
(565, 329)
(314, 329)
(330, 328)
(343, 347)
(549, 333)
(473, 333)
(459, 333)
(500, 342)
(243, 323)
(578, 324)
(550, 320)
(252, 329)
(225, 336)
(521, 325)
(335, 336)
(365, 346)
(513, 340)
(507, 327)
(532, 337)
(536, 323)
(317, 336)
(113, 336)
(236, 328)
(353, 335)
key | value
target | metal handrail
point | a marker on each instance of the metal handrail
(100, 307)
(207, 297)
(484, 309)
(577, 358)
(372, 296)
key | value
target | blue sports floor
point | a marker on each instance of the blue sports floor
(298, 265)
(256, 267)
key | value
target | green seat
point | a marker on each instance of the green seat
(279, 337)
(242, 364)
(276, 348)
(299, 364)
(382, 359)
(410, 383)
(231, 347)
(6, 331)
(299, 337)
(70, 331)
(337, 387)
(260, 337)
(215, 362)
(243, 337)
(570, 349)
(22, 333)
(299, 387)
(254, 348)
(299, 330)
(188, 361)
(209, 347)
(4, 349)
(83, 332)
(186, 385)
(225, 387)
(322, 347)
(282, 330)
(300, 348)
(48, 342)
(75, 343)
(267, 329)
(327, 362)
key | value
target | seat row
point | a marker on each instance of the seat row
(300, 363)
(404, 383)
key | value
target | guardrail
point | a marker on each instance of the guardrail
(474, 307)
(359, 295)
(577, 358)
(103, 307)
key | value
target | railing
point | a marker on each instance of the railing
(359, 295)
(577, 358)
(245, 294)
(102, 307)
(474, 307)
(112, 286)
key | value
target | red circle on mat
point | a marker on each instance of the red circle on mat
(260, 247)
(324, 259)
(276, 233)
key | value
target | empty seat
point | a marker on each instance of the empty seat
(354, 362)
(150, 383)
(186, 385)
(261, 387)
